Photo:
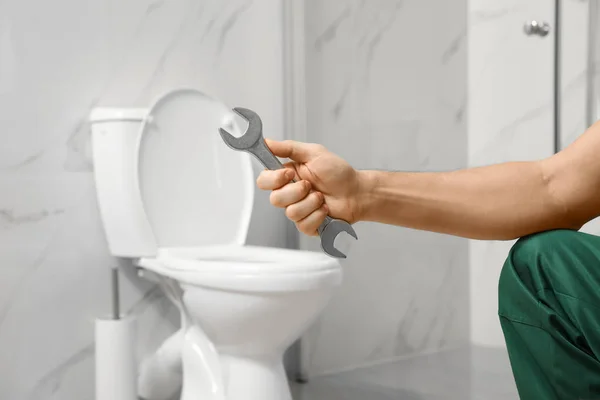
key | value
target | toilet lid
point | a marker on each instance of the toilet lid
(195, 190)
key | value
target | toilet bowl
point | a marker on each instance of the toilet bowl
(175, 200)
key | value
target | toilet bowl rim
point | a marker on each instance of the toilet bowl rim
(240, 282)
(253, 260)
(240, 276)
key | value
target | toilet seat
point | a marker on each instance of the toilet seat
(246, 268)
(257, 259)
(193, 189)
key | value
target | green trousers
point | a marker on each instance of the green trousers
(549, 307)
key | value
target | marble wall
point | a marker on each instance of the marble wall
(386, 89)
(58, 60)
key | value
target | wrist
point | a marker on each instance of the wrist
(367, 182)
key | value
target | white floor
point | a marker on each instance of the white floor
(474, 373)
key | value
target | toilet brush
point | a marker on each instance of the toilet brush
(116, 372)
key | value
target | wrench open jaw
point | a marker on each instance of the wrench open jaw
(251, 137)
(252, 142)
(329, 230)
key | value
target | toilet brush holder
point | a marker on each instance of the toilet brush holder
(116, 366)
(116, 371)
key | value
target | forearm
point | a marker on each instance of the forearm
(497, 202)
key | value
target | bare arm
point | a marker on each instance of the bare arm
(498, 202)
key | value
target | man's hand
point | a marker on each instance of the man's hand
(326, 184)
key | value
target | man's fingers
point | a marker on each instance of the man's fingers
(304, 207)
(311, 223)
(297, 151)
(290, 194)
(271, 180)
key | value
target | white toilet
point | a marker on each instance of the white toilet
(177, 201)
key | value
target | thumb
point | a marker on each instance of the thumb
(297, 151)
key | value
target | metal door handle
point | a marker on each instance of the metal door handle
(537, 28)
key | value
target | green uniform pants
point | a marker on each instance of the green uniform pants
(549, 307)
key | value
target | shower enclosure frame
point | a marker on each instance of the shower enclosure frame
(295, 126)
(591, 103)
(557, 75)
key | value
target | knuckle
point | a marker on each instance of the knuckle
(317, 198)
(265, 180)
(292, 213)
(298, 188)
(275, 199)
(281, 179)
(260, 180)
(305, 187)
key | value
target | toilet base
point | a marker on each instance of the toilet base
(242, 379)
(255, 379)
(212, 375)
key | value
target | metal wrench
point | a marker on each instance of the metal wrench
(252, 142)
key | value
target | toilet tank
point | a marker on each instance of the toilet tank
(115, 141)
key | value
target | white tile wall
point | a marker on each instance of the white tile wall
(386, 90)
